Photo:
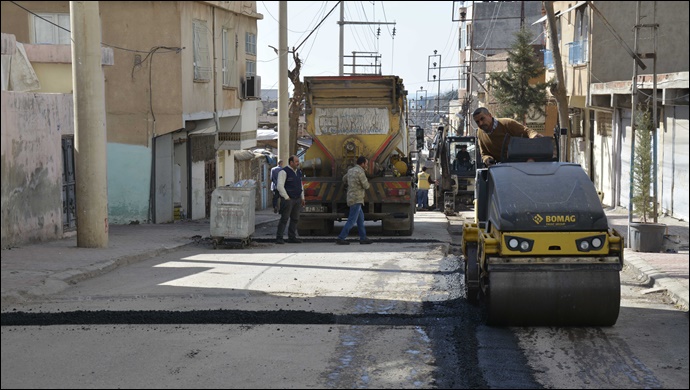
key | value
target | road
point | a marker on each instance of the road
(318, 315)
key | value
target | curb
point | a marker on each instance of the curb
(62, 280)
(660, 280)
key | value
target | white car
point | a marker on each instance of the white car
(272, 112)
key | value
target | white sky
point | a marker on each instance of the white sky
(421, 27)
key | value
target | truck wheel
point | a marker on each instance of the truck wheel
(411, 229)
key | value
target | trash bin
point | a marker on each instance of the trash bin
(232, 213)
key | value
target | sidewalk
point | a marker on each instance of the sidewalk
(668, 271)
(50, 267)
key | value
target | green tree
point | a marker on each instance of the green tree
(512, 88)
(643, 202)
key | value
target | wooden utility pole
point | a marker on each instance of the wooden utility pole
(89, 125)
(559, 92)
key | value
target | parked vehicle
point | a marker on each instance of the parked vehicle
(347, 117)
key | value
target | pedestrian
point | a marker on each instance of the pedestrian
(357, 185)
(494, 133)
(423, 185)
(292, 193)
(274, 185)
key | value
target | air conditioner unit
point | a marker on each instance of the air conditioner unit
(252, 87)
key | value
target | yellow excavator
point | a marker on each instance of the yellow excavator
(540, 250)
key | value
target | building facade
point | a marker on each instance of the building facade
(181, 98)
(597, 41)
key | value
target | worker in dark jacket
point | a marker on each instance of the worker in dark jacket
(291, 190)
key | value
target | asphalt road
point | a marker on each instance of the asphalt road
(318, 315)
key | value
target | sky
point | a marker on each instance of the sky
(420, 28)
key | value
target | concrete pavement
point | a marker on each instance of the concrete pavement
(46, 268)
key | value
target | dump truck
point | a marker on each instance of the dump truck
(347, 117)
(540, 250)
(454, 176)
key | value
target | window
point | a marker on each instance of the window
(202, 63)
(229, 60)
(463, 77)
(251, 68)
(581, 24)
(581, 35)
(548, 59)
(576, 124)
(250, 43)
(463, 36)
(46, 30)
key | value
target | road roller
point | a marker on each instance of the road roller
(540, 251)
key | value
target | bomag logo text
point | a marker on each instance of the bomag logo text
(560, 219)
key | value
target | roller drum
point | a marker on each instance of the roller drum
(554, 296)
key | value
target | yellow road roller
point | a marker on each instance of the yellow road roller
(540, 250)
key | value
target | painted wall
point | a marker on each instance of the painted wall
(672, 154)
(129, 175)
(55, 78)
(143, 92)
(32, 129)
(198, 190)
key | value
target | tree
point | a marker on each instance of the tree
(512, 88)
(643, 202)
(295, 109)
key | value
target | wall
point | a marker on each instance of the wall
(674, 162)
(143, 89)
(55, 78)
(32, 128)
(129, 172)
(612, 59)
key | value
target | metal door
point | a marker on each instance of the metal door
(69, 197)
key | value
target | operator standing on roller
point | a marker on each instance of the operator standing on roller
(495, 133)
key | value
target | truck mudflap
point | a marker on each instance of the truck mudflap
(552, 291)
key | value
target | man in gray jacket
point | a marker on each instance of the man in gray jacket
(357, 185)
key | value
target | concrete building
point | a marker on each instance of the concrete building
(487, 31)
(596, 41)
(182, 97)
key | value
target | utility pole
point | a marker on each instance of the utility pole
(89, 125)
(635, 100)
(341, 52)
(283, 98)
(559, 92)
